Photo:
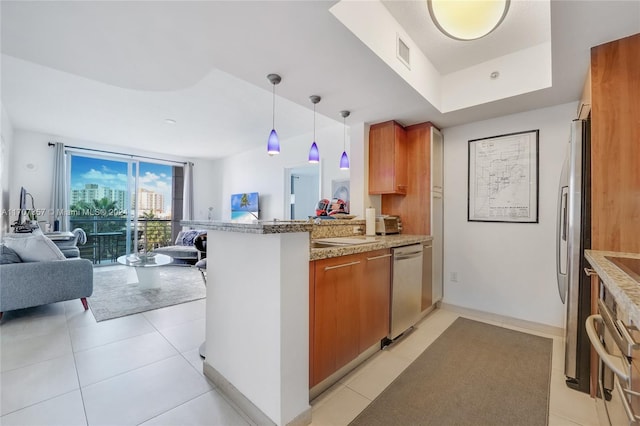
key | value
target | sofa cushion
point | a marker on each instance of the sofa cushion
(8, 255)
(34, 248)
(185, 238)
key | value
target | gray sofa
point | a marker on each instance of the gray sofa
(27, 284)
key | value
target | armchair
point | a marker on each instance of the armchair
(70, 247)
(183, 250)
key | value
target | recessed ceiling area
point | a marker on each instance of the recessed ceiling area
(527, 24)
(454, 74)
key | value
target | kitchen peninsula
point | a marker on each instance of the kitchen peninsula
(258, 307)
(257, 324)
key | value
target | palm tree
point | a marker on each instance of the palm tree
(244, 202)
(155, 232)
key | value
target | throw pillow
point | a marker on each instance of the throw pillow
(189, 236)
(35, 248)
(8, 255)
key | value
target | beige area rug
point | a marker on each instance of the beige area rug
(116, 292)
(473, 374)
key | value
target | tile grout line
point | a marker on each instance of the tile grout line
(75, 366)
(173, 346)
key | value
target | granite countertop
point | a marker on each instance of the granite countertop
(624, 289)
(382, 242)
(256, 227)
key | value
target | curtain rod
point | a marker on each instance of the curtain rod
(119, 153)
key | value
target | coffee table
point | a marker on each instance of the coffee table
(145, 265)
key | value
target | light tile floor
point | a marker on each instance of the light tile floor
(59, 367)
(346, 399)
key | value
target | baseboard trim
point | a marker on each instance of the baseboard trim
(315, 391)
(303, 419)
(243, 403)
(514, 322)
(234, 395)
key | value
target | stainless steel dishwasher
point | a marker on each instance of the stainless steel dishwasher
(406, 288)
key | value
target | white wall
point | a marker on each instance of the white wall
(255, 171)
(32, 167)
(505, 268)
(6, 133)
(207, 188)
(360, 197)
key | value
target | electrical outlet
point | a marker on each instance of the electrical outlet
(453, 277)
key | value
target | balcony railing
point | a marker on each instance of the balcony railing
(107, 237)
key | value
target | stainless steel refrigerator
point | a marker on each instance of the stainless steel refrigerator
(573, 237)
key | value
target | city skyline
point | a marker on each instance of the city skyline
(112, 174)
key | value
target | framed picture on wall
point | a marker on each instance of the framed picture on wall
(503, 178)
(340, 189)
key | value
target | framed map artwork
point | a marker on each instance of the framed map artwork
(503, 178)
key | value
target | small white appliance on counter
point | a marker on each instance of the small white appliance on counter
(386, 225)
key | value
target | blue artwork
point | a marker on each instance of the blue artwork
(244, 207)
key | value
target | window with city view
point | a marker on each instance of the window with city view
(118, 216)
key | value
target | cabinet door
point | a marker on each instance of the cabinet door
(387, 159)
(437, 256)
(615, 147)
(375, 291)
(427, 275)
(437, 157)
(415, 206)
(336, 315)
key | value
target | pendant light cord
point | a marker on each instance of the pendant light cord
(314, 122)
(344, 134)
(273, 121)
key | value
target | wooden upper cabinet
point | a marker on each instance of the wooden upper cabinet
(387, 159)
(615, 145)
(414, 208)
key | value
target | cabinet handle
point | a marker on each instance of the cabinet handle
(379, 257)
(613, 362)
(589, 272)
(327, 268)
(625, 404)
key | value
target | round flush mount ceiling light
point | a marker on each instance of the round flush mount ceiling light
(467, 19)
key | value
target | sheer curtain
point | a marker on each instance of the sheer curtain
(59, 202)
(187, 196)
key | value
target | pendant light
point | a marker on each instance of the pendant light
(314, 154)
(344, 160)
(273, 144)
(467, 20)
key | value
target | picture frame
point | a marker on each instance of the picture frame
(503, 178)
(340, 189)
(244, 207)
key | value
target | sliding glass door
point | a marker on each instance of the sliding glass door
(122, 204)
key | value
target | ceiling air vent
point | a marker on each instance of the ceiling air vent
(403, 52)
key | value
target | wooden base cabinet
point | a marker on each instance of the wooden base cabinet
(375, 294)
(350, 312)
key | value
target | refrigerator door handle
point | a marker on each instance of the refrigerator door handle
(565, 213)
(561, 242)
